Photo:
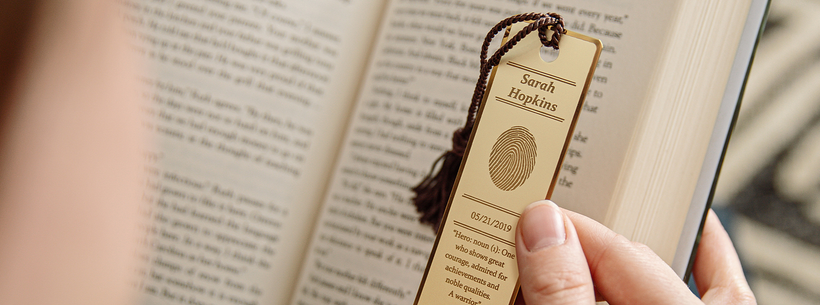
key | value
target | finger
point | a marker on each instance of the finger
(717, 270)
(627, 272)
(551, 264)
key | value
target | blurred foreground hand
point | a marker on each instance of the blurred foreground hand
(70, 145)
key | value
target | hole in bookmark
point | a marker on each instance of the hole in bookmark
(548, 54)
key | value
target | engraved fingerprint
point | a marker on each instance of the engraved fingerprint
(512, 158)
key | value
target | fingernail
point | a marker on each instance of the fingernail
(542, 225)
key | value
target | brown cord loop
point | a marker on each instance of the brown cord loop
(433, 192)
(542, 23)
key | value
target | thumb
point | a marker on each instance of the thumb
(551, 264)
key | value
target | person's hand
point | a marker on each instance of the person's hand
(567, 258)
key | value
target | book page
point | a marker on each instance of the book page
(718, 141)
(248, 101)
(633, 35)
(368, 246)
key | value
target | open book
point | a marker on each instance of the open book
(288, 134)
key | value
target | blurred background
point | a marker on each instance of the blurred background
(769, 189)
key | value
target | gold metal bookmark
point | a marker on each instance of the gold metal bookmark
(522, 129)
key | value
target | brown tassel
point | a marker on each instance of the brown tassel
(433, 193)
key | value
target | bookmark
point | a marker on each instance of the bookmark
(517, 142)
